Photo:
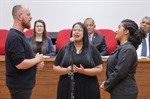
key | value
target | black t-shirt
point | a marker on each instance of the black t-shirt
(17, 49)
(39, 46)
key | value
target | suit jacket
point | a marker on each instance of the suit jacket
(121, 68)
(98, 41)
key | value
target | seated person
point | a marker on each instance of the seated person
(96, 39)
(144, 47)
(39, 41)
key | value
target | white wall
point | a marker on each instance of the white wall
(62, 14)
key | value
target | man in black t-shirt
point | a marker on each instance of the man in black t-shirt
(21, 63)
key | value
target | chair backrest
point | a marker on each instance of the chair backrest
(3, 36)
(30, 32)
(62, 38)
(111, 42)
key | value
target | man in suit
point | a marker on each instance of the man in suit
(96, 39)
(145, 25)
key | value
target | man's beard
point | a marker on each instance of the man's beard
(26, 25)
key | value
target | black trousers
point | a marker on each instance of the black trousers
(20, 93)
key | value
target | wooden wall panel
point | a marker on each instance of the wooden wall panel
(46, 81)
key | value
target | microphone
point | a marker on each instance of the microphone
(71, 39)
(71, 74)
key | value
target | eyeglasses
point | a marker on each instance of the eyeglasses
(39, 26)
(79, 30)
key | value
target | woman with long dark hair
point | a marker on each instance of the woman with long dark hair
(122, 63)
(87, 64)
(40, 42)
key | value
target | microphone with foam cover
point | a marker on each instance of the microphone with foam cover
(71, 39)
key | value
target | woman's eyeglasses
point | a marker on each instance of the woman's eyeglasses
(79, 30)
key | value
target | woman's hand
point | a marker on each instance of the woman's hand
(78, 69)
(102, 86)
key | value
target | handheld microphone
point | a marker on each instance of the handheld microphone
(71, 39)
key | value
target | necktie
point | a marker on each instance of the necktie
(144, 48)
(90, 38)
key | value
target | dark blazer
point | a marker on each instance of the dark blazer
(98, 41)
(121, 68)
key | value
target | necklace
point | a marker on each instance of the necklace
(76, 51)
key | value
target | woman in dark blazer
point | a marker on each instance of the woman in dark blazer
(122, 63)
